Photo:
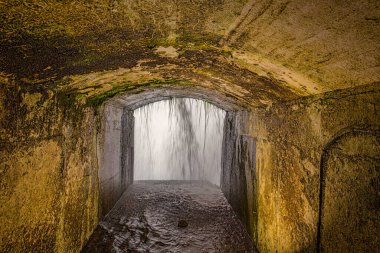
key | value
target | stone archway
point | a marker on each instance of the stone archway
(116, 161)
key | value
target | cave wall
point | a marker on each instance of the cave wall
(127, 147)
(112, 174)
(258, 53)
(350, 192)
(290, 141)
(51, 192)
(229, 173)
(115, 154)
(238, 175)
(49, 181)
(247, 165)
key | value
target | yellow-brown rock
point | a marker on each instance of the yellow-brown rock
(302, 78)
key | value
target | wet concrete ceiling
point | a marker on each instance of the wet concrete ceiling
(261, 50)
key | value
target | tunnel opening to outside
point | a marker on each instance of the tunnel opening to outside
(178, 139)
(172, 159)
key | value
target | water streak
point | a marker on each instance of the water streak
(178, 139)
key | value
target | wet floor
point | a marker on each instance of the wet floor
(170, 216)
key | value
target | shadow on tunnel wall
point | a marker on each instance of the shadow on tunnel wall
(350, 193)
(115, 147)
(238, 177)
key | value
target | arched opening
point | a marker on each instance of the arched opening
(123, 159)
(349, 193)
(116, 142)
(178, 139)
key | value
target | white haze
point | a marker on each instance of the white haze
(178, 139)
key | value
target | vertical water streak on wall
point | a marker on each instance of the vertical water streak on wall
(178, 139)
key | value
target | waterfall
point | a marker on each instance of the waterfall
(178, 139)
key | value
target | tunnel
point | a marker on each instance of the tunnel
(298, 83)
(116, 161)
(117, 169)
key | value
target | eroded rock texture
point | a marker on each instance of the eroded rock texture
(351, 193)
(296, 74)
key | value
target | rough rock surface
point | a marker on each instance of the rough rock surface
(302, 72)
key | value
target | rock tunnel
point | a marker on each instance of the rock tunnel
(299, 82)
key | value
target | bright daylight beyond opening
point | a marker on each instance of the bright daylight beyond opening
(178, 139)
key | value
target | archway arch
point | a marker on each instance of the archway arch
(349, 187)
